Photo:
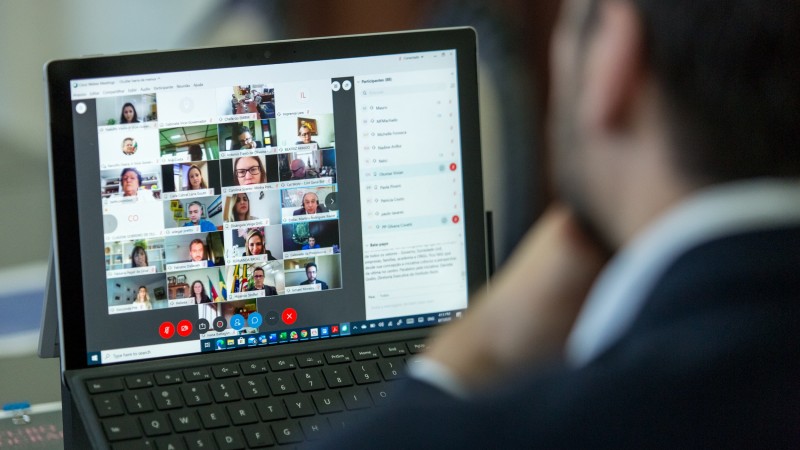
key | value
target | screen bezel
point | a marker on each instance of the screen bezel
(65, 204)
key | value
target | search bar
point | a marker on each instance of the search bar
(404, 89)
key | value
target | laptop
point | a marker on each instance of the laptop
(252, 242)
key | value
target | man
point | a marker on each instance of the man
(675, 132)
(244, 138)
(299, 171)
(310, 205)
(195, 210)
(311, 276)
(311, 244)
(129, 146)
(304, 133)
(197, 252)
(258, 283)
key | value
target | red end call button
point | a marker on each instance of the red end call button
(184, 328)
(166, 330)
(289, 316)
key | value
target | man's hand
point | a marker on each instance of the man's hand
(528, 313)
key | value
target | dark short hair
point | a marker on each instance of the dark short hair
(258, 268)
(131, 169)
(311, 264)
(729, 73)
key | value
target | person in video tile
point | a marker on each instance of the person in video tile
(129, 146)
(311, 275)
(199, 293)
(196, 180)
(311, 244)
(258, 283)
(304, 133)
(244, 138)
(139, 257)
(143, 298)
(128, 114)
(300, 172)
(195, 211)
(130, 180)
(256, 245)
(195, 152)
(310, 205)
(241, 209)
(249, 170)
(197, 252)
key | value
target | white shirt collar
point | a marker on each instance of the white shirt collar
(621, 289)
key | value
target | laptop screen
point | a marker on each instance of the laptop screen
(268, 204)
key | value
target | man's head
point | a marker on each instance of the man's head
(653, 100)
(197, 250)
(129, 146)
(298, 168)
(244, 137)
(311, 241)
(310, 202)
(195, 211)
(311, 271)
(304, 133)
(258, 277)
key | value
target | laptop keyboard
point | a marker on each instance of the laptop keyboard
(284, 400)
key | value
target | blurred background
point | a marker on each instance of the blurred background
(513, 43)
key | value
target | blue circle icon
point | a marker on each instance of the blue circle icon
(254, 320)
(237, 322)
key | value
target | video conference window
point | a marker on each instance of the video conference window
(317, 273)
(190, 179)
(193, 215)
(195, 143)
(235, 316)
(308, 164)
(194, 251)
(138, 293)
(248, 171)
(139, 183)
(308, 203)
(255, 280)
(195, 287)
(254, 244)
(134, 257)
(317, 236)
(315, 129)
(256, 207)
(251, 99)
(126, 110)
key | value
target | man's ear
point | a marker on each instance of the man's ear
(615, 65)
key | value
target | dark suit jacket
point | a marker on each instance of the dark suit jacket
(712, 361)
(302, 211)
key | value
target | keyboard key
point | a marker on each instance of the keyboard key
(380, 395)
(328, 402)
(137, 402)
(105, 385)
(338, 376)
(418, 346)
(170, 443)
(315, 428)
(281, 384)
(287, 433)
(393, 350)
(361, 354)
(255, 367)
(312, 360)
(299, 406)
(391, 370)
(225, 370)
(338, 357)
(253, 387)
(242, 414)
(121, 428)
(309, 380)
(196, 374)
(196, 395)
(108, 405)
(184, 421)
(213, 416)
(229, 439)
(139, 381)
(365, 372)
(225, 391)
(200, 441)
(271, 409)
(282, 363)
(167, 378)
(356, 398)
(155, 424)
(167, 398)
(258, 436)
